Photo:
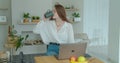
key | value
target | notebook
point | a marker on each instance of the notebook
(68, 50)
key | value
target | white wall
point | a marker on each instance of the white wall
(4, 28)
(114, 26)
(34, 7)
(77, 27)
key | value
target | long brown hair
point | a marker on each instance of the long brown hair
(61, 12)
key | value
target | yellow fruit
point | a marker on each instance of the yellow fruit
(83, 62)
(81, 59)
(86, 62)
(72, 61)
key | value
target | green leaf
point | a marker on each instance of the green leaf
(26, 37)
(76, 14)
(19, 41)
(18, 45)
(26, 15)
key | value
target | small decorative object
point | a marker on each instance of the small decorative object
(76, 17)
(12, 38)
(3, 19)
(35, 18)
(33, 42)
(38, 18)
(26, 17)
(67, 7)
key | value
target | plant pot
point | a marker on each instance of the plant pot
(35, 20)
(12, 40)
(77, 19)
(25, 20)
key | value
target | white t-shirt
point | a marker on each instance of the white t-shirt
(48, 32)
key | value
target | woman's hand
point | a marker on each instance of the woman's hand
(45, 19)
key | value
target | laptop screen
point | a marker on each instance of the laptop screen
(74, 49)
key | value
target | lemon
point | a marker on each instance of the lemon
(81, 59)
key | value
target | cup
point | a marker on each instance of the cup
(48, 14)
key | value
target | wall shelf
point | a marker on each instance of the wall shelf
(3, 8)
(3, 23)
(29, 23)
(72, 9)
(27, 31)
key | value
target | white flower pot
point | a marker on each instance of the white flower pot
(77, 19)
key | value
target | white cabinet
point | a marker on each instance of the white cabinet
(32, 49)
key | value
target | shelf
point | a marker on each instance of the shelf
(27, 31)
(3, 23)
(71, 9)
(3, 8)
(29, 23)
(72, 21)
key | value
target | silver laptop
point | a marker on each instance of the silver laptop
(68, 50)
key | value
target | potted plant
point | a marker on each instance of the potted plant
(76, 16)
(35, 18)
(19, 41)
(26, 17)
(14, 39)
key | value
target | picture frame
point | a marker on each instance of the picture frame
(3, 20)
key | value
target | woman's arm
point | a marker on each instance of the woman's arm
(38, 27)
(71, 35)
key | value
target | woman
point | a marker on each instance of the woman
(58, 31)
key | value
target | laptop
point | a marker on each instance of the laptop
(74, 49)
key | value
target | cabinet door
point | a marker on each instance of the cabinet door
(4, 4)
(4, 12)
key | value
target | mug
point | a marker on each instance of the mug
(48, 14)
